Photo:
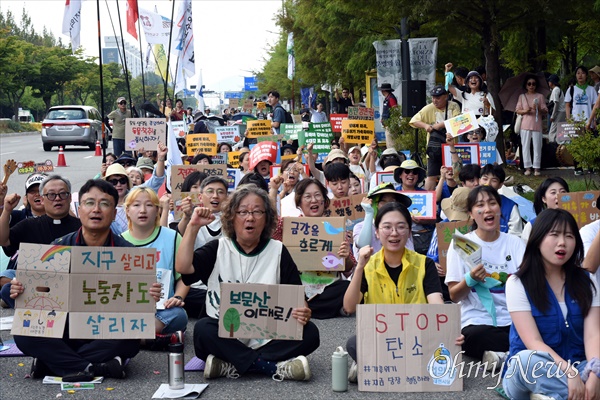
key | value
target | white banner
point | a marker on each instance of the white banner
(423, 59)
(389, 70)
(155, 26)
(291, 56)
(72, 22)
(183, 41)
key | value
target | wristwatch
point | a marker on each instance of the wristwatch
(178, 298)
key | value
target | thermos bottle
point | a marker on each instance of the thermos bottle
(176, 377)
(339, 370)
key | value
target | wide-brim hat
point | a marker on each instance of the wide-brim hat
(409, 164)
(455, 206)
(124, 158)
(333, 154)
(595, 70)
(117, 169)
(386, 86)
(388, 152)
(389, 188)
(145, 163)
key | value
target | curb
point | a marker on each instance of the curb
(11, 134)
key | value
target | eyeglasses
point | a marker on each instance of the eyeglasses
(91, 204)
(309, 198)
(388, 229)
(258, 214)
(115, 182)
(123, 102)
(531, 84)
(210, 192)
(53, 196)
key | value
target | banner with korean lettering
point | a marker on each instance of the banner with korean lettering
(180, 172)
(256, 311)
(467, 152)
(423, 204)
(320, 134)
(233, 158)
(408, 348)
(361, 113)
(358, 131)
(258, 128)
(582, 205)
(488, 153)
(314, 242)
(444, 232)
(30, 167)
(348, 207)
(336, 122)
(205, 143)
(461, 124)
(290, 131)
(228, 134)
(195, 198)
(144, 132)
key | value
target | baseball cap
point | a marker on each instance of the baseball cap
(120, 99)
(34, 179)
(438, 90)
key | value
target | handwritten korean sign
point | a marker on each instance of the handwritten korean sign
(358, 131)
(228, 134)
(180, 172)
(196, 199)
(29, 167)
(144, 132)
(582, 205)
(408, 347)
(348, 207)
(256, 311)
(314, 242)
(258, 128)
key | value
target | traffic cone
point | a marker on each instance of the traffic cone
(61, 158)
(98, 149)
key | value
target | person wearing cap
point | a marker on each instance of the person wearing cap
(475, 98)
(556, 106)
(334, 156)
(595, 76)
(431, 118)
(146, 165)
(354, 156)
(33, 202)
(118, 116)
(389, 101)
(454, 209)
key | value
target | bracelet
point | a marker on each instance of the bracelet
(453, 152)
(469, 280)
(592, 366)
(161, 159)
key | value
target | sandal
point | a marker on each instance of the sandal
(527, 172)
(537, 172)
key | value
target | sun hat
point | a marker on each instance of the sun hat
(389, 188)
(409, 164)
(455, 206)
(117, 169)
(333, 154)
(386, 86)
(145, 163)
(386, 153)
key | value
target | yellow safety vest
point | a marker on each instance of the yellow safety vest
(408, 290)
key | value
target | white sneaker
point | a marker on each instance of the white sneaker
(353, 372)
(216, 368)
(295, 369)
(539, 396)
(493, 360)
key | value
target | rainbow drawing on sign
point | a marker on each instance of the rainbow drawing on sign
(49, 255)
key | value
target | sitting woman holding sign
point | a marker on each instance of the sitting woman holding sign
(555, 309)
(246, 254)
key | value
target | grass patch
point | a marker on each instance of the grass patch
(8, 126)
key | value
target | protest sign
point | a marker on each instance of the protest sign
(262, 151)
(385, 177)
(180, 172)
(488, 153)
(258, 128)
(30, 167)
(565, 131)
(290, 131)
(228, 134)
(144, 132)
(261, 105)
(248, 104)
(444, 232)
(234, 176)
(363, 113)
(348, 207)
(314, 242)
(336, 121)
(106, 294)
(461, 124)
(256, 311)
(220, 158)
(205, 143)
(234, 103)
(423, 204)
(582, 205)
(233, 158)
(358, 131)
(408, 347)
(467, 152)
(196, 199)
(179, 128)
(320, 134)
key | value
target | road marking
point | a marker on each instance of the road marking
(9, 152)
(88, 157)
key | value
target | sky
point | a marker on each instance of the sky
(231, 38)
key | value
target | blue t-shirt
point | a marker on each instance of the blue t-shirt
(278, 115)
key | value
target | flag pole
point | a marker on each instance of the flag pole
(124, 58)
(168, 60)
(141, 61)
(104, 141)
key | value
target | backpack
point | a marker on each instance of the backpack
(288, 116)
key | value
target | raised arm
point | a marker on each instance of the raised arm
(185, 255)
(353, 295)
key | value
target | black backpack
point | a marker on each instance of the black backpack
(288, 116)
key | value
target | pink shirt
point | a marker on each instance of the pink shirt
(528, 101)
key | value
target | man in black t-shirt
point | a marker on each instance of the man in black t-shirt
(345, 101)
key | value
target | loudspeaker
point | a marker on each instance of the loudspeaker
(413, 97)
(264, 98)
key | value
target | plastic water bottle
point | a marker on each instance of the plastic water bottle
(176, 377)
(339, 370)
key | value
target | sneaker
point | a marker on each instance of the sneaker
(493, 360)
(216, 368)
(539, 396)
(82, 376)
(295, 369)
(353, 373)
(111, 369)
(578, 171)
(39, 370)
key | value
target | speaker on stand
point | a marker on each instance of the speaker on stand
(413, 100)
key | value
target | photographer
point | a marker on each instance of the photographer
(431, 118)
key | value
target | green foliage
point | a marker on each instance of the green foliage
(231, 320)
(585, 149)
(404, 134)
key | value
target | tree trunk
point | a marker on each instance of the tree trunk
(542, 59)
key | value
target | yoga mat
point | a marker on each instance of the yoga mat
(12, 351)
(195, 364)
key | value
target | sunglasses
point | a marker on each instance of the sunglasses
(123, 102)
(531, 84)
(115, 182)
(411, 172)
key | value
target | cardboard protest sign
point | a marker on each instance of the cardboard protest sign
(261, 105)
(358, 131)
(228, 134)
(179, 128)
(256, 311)
(290, 131)
(234, 103)
(363, 113)
(258, 128)
(408, 348)
(565, 131)
(423, 204)
(336, 121)
(220, 158)
(262, 151)
(233, 158)
(234, 176)
(180, 172)
(488, 153)
(318, 133)
(314, 242)
(106, 293)
(582, 205)
(248, 104)
(205, 143)
(30, 167)
(348, 207)
(196, 199)
(461, 124)
(385, 177)
(468, 152)
(444, 232)
(144, 132)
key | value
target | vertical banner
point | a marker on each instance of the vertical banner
(389, 67)
(423, 58)
(291, 56)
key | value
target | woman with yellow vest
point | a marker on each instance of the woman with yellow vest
(393, 275)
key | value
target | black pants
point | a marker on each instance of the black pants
(480, 338)
(195, 303)
(329, 303)
(67, 356)
(207, 341)
(351, 347)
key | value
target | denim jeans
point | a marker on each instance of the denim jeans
(5, 292)
(174, 318)
(548, 380)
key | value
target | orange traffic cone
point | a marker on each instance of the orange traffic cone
(61, 158)
(98, 149)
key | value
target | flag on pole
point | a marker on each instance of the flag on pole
(132, 17)
(291, 57)
(173, 154)
(156, 27)
(199, 93)
(160, 66)
(183, 40)
(72, 22)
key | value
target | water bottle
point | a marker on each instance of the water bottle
(176, 377)
(339, 370)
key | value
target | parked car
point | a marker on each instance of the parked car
(72, 125)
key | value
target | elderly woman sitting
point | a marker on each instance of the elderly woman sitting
(246, 254)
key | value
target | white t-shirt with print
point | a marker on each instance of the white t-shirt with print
(504, 255)
(583, 101)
